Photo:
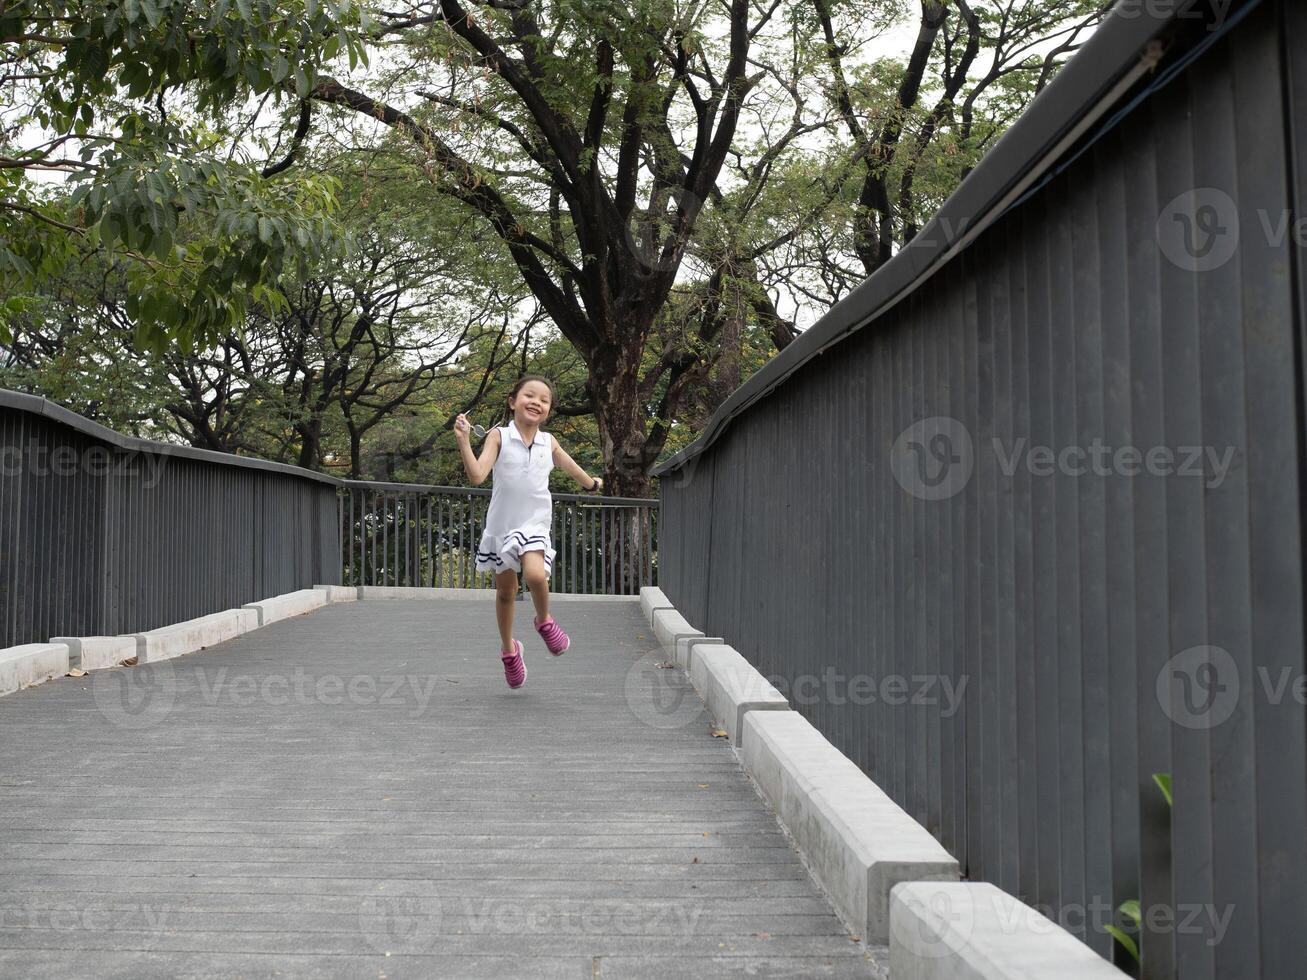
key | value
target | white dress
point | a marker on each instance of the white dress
(521, 508)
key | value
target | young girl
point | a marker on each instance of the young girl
(516, 538)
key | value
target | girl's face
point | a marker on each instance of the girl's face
(531, 405)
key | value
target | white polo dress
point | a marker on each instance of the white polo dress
(521, 507)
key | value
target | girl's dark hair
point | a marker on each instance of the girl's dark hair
(521, 382)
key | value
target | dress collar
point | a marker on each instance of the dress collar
(512, 428)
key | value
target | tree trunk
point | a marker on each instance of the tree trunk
(621, 418)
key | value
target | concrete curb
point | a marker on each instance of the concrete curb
(941, 930)
(97, 652)
(582, 597)
(194, 634)
(731, 686)
(685, 648)
(651, 598)
(420, 592)
(391, 592)
(287, 605)
(23, 666)
(31, 663)
(340, 593)
(859, 843)
(670, 626)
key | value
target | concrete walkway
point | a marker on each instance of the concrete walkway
(356, 793)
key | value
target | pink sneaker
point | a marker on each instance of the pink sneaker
(555, 639)
(514, 666)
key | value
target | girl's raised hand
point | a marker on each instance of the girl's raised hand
(461, 427)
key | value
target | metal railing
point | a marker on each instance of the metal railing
(426, 536)
(102, 533)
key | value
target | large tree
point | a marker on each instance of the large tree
(590, 135)
(628, 157)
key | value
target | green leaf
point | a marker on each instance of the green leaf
(1126, 942)
(1163, 781)
(1130, 909)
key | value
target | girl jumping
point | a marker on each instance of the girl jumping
(516, 538)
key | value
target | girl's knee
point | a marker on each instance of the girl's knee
(536, 580)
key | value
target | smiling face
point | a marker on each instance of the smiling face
(532, 403)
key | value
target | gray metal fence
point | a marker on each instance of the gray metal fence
(426, 536)
(1035, 532)
(105, 534)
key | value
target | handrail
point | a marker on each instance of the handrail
(485, 492)
(43, 407)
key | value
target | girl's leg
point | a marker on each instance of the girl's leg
(533, 573)
(505, 597)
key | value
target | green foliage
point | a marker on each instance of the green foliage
(1130, 909)
(201, 231)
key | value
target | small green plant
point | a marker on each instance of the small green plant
(1130, 910)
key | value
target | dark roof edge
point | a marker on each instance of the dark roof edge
(37, 405)
(1088, 85)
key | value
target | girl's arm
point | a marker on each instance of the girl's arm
(477, 469)
(569, 466)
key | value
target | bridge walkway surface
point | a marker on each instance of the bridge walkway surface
(357, 793)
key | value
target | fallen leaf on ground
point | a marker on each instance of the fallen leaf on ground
(665, 665)
(719, 733)
(703, 785)
(695, 861)
(77, 672)
(639, 636)
(130, 662)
